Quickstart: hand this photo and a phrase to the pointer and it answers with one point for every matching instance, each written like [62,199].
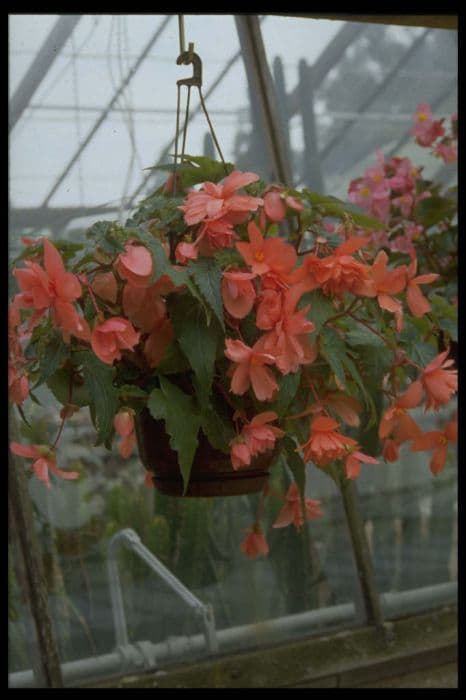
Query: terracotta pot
[211,473]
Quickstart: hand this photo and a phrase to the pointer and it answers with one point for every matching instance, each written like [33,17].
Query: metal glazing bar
[326,61]
[262,85]
[46,55]
[370,99]
[107,109]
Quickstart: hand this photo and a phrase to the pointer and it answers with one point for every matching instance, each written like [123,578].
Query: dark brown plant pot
[211,473]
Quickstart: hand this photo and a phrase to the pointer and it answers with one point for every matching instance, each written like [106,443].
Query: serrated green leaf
[417,350]
[228,256]
[333,349]
[51,353]
[196,169]
[98,380]
[207,275]
[354,372]
[173,361]
[332,206]
[59,385]
[197,340]
[161,263]
[217,430]
[432,210]
[321,308]
[445,315]
[182,422]
[362,336]
[288,386]
[132,392]
[107,235]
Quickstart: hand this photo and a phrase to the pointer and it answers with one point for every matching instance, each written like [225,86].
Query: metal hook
[187,58]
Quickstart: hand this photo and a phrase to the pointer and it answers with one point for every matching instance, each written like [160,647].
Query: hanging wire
[197,81]
[181,33]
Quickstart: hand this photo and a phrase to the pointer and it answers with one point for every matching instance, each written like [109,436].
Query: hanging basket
[212,473]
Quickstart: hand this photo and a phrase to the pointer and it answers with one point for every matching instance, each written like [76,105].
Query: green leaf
[417,350]
[333,349]
[331,206]
[207,275]
[173,361]
[288,386]
[51,353]
[182,422]
[321,308]
[362,336]
[108,235]
[98,380]
[445,315]
[434,209]
[131,391]
[228,256]
[59,384]
[197,340]
[354,372]
[161,263]
[217,430]
[196,169]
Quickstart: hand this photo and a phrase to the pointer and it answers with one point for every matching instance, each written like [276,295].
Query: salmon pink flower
[353,463]
[339,273]
[135,265]
[292,510]
[325,444]
[390,451]
[418,304]
[109,338]
[269,309]
[18,384]
[267,255]
[218,201]
[396,422]
[157,342]
[145,307]
[250,370]
[124,427]
[274,206]
[288,341]
[345,406]
[215,234]
[240,455]
[385,284]
[185,252]
[44,460]
[238,293]
[105,286]
[439,381]
[260,437]
[255,543]
[437,440]
[54,289]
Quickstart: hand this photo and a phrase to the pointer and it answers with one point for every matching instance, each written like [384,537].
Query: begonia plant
[254,313]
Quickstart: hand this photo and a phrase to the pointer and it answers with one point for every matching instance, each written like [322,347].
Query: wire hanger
[189,57]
